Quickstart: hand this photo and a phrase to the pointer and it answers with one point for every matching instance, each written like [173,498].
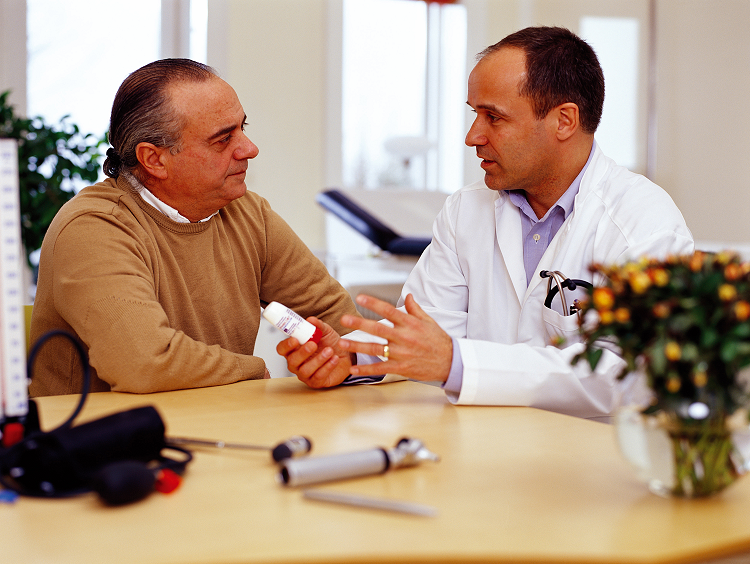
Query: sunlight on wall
[615,41]
[403,94]
[81,50]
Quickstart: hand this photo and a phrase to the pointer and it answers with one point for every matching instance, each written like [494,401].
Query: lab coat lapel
[508,232]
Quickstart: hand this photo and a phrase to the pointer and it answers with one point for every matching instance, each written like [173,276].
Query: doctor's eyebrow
[488,107]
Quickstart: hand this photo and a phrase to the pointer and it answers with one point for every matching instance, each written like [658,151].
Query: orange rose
[604,299]
[640,282]
[661,310]
[742,310]
[700,379]
[622,315]
[727,292]
[607,317]
[673,384]
[732,271]
[696,261]
[659,276]
[672,351]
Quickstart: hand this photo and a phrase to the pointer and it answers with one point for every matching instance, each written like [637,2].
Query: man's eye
[244,125]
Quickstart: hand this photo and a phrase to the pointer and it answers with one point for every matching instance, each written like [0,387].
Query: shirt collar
[149,198]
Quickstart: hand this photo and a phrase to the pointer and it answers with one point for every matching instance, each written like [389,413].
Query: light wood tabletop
[513,485]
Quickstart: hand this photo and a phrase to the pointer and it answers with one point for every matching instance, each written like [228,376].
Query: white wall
[703,156]
[13,58]
[276,54]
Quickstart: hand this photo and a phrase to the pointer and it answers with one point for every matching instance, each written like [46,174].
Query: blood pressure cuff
[70,460]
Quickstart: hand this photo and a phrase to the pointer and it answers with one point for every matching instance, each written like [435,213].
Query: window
[199,30]
[78,57]
[403,94]
[615,41]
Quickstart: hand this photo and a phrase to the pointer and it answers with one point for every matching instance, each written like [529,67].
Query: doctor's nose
[475,137]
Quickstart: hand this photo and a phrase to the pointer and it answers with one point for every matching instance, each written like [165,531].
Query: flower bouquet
[684,324]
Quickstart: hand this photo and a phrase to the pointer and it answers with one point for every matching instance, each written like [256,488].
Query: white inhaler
[291,323]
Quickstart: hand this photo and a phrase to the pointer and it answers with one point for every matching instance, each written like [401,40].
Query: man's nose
[475,137]
[248,150]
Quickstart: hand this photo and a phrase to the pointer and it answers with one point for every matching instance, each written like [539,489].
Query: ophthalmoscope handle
[314,469]
[311,470]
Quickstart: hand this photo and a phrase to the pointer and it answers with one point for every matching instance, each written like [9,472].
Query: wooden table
[513,485]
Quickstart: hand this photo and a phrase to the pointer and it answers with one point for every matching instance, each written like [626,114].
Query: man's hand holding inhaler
[320,365]
[417,348]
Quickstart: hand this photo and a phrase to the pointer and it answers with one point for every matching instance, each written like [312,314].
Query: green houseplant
[50,159]
[684,324]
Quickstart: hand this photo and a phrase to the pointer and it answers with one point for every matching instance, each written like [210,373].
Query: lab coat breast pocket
[560,326]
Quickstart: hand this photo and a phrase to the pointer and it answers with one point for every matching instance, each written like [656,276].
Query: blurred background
[371,93]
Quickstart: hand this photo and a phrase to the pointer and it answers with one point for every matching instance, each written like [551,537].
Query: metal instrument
[311,470]
[294,446]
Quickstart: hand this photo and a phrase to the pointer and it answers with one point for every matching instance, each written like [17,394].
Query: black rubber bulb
[124,482]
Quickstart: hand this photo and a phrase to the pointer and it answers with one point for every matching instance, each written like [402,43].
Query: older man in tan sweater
[162,269]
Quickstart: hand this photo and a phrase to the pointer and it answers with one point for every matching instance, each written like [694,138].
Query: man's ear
[152,159]
[568,120]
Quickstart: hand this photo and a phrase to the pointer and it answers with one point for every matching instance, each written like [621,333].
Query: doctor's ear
[151,159]
[568,120]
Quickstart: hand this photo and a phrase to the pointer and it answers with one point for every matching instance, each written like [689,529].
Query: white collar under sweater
[149,197]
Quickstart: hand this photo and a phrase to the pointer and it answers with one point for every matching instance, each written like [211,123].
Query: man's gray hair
[142,112]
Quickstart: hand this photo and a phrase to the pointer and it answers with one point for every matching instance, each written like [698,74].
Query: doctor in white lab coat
[474,316]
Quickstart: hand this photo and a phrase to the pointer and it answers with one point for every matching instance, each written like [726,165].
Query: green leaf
[60,150]
[657,358]
[709,338]
[594,356]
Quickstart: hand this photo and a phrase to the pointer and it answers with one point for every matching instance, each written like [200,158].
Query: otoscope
[312,470]
[294,446]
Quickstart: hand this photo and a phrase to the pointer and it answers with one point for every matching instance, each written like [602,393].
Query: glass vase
[683,456]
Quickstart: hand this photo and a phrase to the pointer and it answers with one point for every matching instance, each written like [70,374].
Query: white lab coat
[471,280]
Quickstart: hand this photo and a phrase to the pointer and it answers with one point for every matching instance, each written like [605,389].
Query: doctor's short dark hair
[560,67]
[142,111]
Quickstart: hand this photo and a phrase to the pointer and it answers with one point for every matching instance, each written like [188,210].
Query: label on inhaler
[291,323]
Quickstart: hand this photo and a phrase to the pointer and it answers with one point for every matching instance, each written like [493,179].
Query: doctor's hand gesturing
[417,347]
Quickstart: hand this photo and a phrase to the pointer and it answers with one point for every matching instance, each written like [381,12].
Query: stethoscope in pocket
[562,283]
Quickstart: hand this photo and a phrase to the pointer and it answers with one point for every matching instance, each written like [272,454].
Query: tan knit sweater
[162,305]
